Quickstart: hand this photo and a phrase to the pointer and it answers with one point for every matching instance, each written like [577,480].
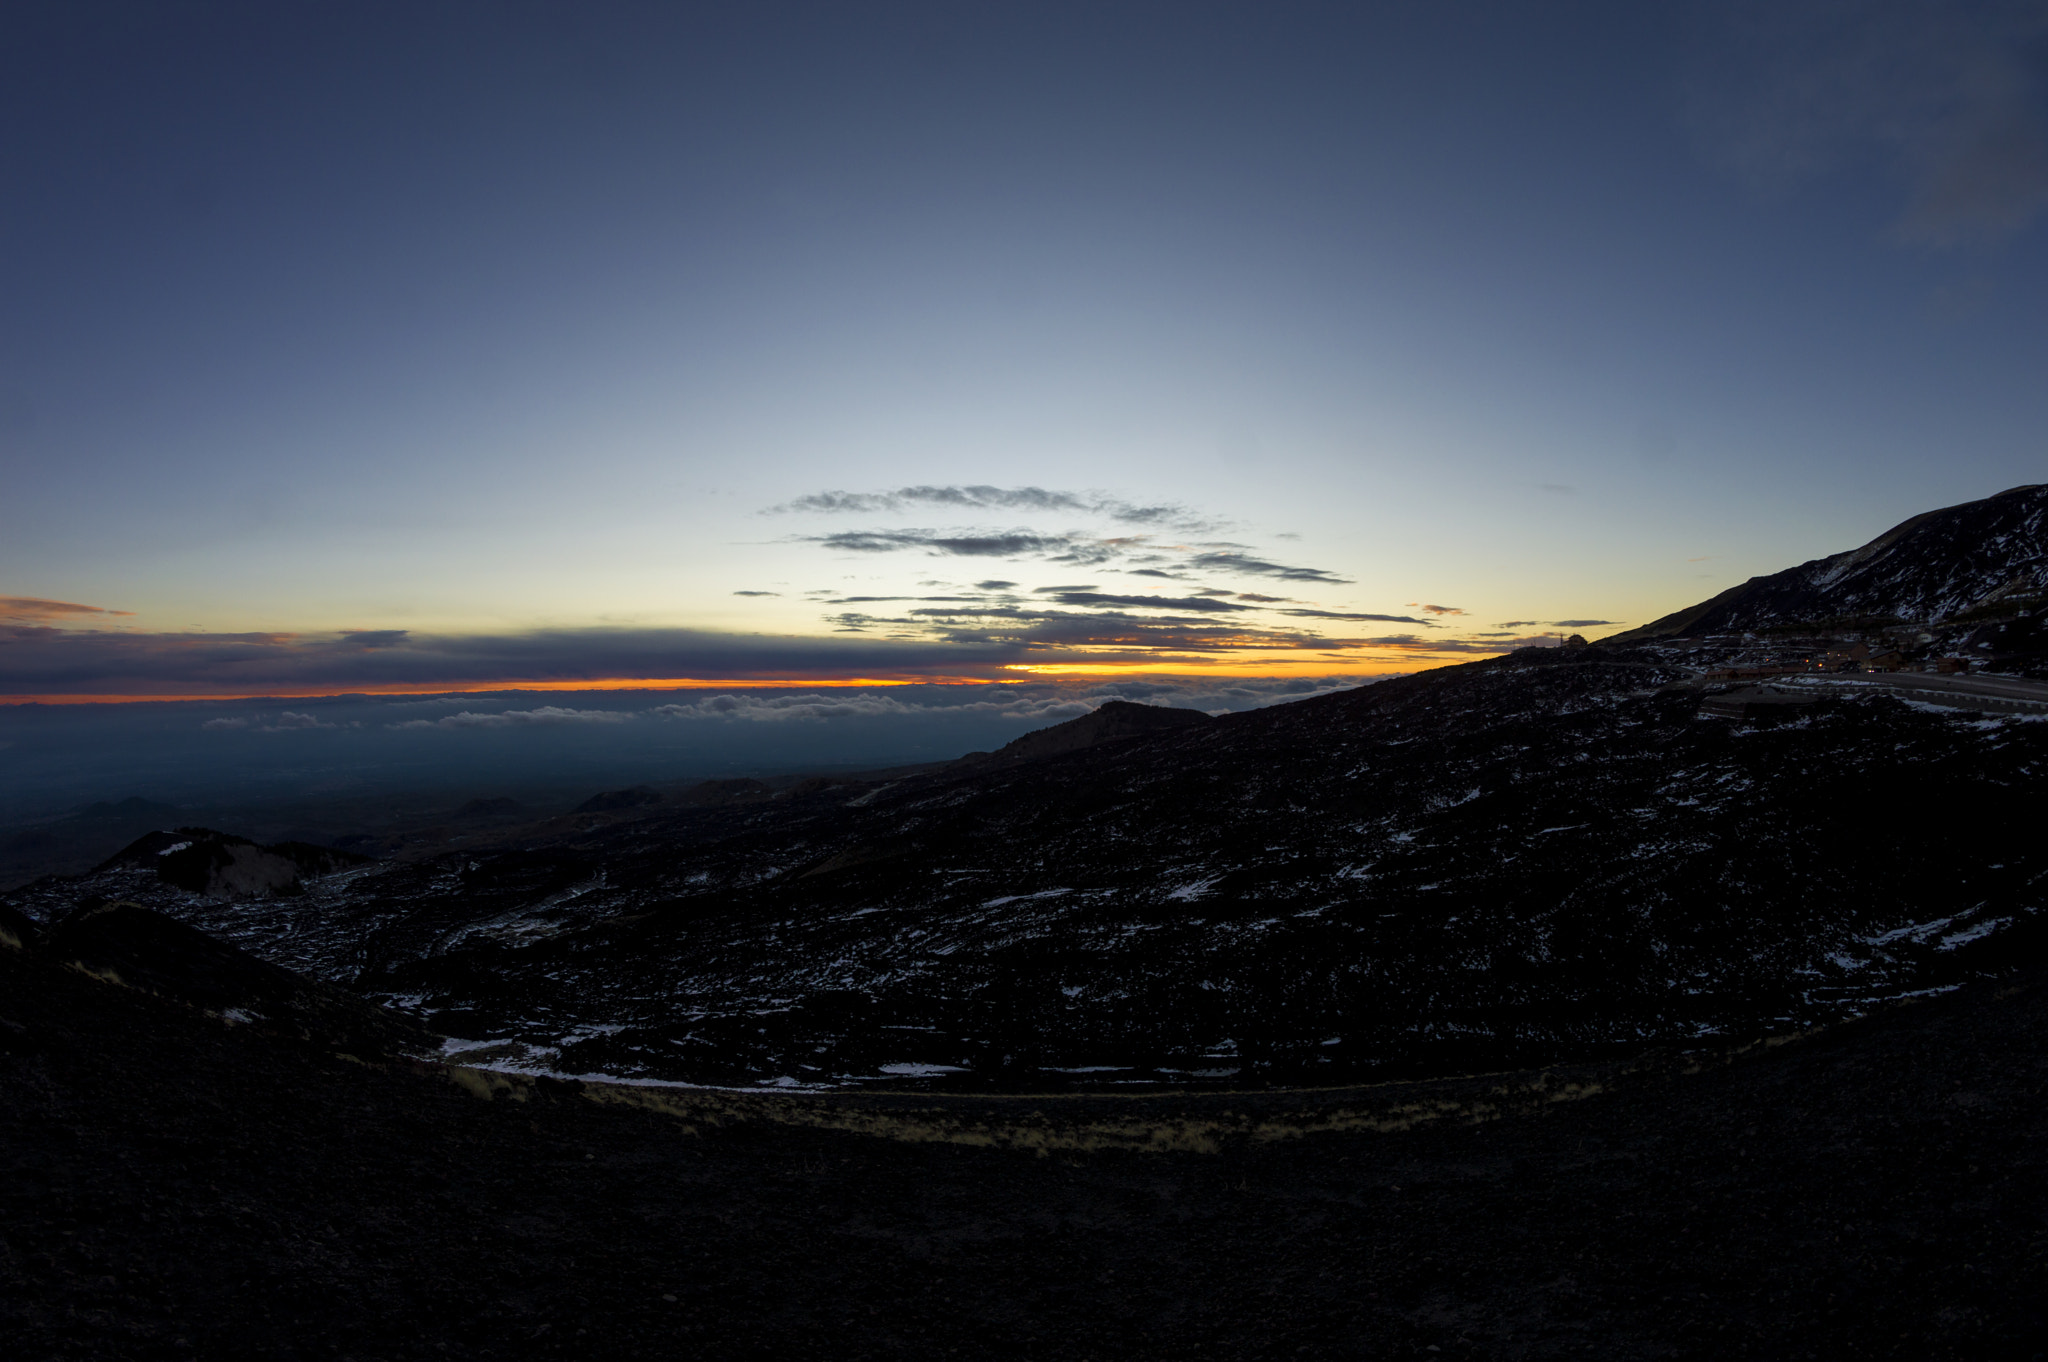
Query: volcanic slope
[1545,856]
[1961,565]
[176,1185]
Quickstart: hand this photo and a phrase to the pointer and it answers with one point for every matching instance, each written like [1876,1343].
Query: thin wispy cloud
[1357,615]
[1085,617]
[1554,624]
[980,497]
[1101,600]
[1246,565]
[1041,633]
[1073,550]
[35,610]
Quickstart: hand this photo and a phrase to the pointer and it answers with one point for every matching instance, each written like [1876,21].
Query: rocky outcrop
[220,865]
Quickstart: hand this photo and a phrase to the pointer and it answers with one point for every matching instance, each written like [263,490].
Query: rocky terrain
[1556,855]
[1549,856]
[1543,857]
[177,1182]
[1569,1003]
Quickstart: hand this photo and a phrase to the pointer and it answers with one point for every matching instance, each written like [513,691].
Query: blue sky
[535,333]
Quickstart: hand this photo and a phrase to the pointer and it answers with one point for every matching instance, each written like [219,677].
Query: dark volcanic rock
[173,1187]
[220,865]
[1545,856]
[128,945]
[1556,855]
[1986,557]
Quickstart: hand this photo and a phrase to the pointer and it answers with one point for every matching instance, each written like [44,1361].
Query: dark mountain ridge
[1549,855]
[1979,560]
[1112,722]
[1554,855]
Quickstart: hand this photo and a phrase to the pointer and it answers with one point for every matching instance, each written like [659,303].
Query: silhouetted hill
[81,839]
[1977,560]
[220,865]
[129,946]
[1112,722]
[1552,856]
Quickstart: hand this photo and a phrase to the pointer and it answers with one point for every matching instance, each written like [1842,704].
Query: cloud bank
[47,661]
[548,715]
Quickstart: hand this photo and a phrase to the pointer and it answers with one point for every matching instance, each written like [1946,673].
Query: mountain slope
[1549,856]
[174,1187]
[1514,861]
[1112,722]
[1982,557]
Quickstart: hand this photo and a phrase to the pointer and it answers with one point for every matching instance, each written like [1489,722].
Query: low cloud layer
[450,749]
[546,715]
[48,661]
[287,722]
[935,637]
[1027,704]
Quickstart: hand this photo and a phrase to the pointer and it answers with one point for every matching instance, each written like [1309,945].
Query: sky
[444,347]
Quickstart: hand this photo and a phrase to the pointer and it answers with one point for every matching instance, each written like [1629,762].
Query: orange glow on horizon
[1268,667]
[513,687]
[1301,667]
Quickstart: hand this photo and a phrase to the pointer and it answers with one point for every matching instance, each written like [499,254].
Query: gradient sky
[527,341]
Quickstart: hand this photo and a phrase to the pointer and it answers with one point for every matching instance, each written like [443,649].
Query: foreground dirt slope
[173,1187]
